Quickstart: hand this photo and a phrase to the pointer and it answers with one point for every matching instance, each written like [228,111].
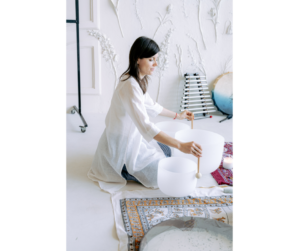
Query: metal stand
[228,117]
[83,128]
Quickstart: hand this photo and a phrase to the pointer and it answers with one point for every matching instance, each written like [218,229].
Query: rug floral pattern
[141,214]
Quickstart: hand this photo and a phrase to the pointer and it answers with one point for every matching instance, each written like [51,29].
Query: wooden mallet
[198,174]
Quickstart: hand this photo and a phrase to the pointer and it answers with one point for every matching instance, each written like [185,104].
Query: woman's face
[147,65]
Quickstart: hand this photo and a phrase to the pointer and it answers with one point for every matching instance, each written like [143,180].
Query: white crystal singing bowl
[171,127]
[212,148]
[176,176]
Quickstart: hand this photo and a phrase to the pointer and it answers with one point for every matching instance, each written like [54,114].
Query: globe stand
[229,116]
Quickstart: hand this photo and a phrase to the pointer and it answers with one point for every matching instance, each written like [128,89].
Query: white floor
[90,220]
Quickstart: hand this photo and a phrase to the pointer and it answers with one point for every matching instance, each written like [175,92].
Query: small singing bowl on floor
[212,148]
[176,176]
[171,127]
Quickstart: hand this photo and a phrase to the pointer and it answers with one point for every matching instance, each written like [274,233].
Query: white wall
[97,75]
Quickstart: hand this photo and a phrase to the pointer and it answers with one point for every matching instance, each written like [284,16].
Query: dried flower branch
[117,13]
[138,13]
[179,60]
[197,63]
[214,13]
[199,19]
[179,65]
[228,30]
[165,19]
[228,65]
[184,9]
[162,60]
[200,63]
[108,51]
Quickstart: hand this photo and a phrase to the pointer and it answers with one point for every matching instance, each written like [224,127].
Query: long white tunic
[128,139]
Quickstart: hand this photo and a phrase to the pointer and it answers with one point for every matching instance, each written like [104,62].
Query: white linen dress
[128,139]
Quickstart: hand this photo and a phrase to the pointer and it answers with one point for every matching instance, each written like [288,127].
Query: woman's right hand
[191,148]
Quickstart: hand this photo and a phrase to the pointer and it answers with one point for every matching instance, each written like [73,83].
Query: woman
[126,150]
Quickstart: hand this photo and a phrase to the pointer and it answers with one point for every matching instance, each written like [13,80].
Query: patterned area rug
[136,212]
[222,175]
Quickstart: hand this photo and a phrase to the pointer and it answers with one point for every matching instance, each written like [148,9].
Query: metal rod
[198,117]
[187,104]
[76,21]
[204,104]
[205,111]
[82,118]
[194,89]
[192,93]
[196,84]
[196,104]
[195,92]
[204,96]
[228,117]
[188,76]
[194,101]
[195,109]
[78,55]
[199,80]
[223,120]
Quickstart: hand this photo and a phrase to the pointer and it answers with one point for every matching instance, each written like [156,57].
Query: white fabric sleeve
[132,99]
[153,109]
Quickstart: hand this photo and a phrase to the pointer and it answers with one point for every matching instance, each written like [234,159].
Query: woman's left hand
[186,115]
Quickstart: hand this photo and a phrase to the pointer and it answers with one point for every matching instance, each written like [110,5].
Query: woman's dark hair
[142,47]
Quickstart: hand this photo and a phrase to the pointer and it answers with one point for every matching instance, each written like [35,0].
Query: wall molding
[92,21]
[95,88]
